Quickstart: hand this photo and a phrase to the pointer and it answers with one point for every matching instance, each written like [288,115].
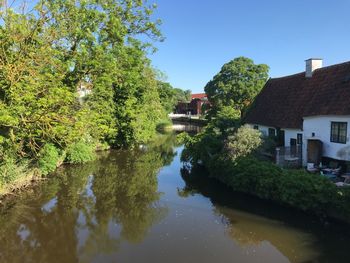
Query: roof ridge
[319,69]
[288,76]
[334,65]
[284,101]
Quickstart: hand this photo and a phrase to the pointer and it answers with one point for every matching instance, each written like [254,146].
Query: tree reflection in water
[254,223]
[87,210]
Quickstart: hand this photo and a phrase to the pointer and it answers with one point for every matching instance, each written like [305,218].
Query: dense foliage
[236,161]
[236,85]
[48,158]
[80,152]
[170,96]
[209,145]
[243,142]
[64,46]
[297,188]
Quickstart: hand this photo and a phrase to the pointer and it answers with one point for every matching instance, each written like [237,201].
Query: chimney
[311,65]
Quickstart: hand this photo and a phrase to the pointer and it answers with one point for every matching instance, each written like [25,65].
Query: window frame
[337,129]
[270,132]
[299,138]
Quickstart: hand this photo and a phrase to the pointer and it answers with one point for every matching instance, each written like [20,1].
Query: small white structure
[83,89]
[308,110]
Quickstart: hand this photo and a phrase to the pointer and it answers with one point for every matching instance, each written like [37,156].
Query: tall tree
[236,85]
[61,45]
[170,96]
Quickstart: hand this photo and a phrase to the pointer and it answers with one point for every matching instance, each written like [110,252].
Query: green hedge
[296,188]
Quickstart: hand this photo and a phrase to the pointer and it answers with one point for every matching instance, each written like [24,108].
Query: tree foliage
[170,96]
[236,85]
[62,45]
[245,141]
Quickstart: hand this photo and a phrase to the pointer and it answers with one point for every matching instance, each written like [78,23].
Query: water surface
[140,206]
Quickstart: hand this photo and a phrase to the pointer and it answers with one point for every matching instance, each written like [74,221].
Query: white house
[309,110]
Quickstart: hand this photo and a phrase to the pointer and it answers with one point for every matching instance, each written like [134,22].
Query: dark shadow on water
[246,215]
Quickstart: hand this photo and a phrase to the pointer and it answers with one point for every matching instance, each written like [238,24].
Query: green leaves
[62,46]
[237,84]
[170,96]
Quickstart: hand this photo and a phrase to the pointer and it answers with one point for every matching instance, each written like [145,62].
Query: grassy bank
[20,174]
[16,176]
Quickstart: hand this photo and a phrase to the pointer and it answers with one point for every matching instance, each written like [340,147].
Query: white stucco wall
[321,126]
[290,134]
[263,129]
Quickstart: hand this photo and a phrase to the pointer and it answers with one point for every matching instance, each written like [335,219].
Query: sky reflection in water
[140,206]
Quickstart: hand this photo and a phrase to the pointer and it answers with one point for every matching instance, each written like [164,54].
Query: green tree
[236,85]
[35,105]
[170,96]
[61,45]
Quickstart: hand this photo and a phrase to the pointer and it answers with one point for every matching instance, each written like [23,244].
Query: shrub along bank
[236,161]
[296,188]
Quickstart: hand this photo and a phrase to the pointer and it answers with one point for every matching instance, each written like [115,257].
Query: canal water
[141,206]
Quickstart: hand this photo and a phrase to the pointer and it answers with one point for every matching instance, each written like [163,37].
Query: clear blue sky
[202,35]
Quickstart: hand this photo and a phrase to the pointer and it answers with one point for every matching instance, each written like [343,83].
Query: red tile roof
[283,102]
[198,96]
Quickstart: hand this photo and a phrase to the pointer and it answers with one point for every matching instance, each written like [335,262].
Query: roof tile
[283,102]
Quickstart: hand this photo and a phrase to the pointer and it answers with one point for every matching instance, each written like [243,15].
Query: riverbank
[190,120]
[28,177]
[292,188]
[235,158]
[22,174]
[11,190]
[141,200]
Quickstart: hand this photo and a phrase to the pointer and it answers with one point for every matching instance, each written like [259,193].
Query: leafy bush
[226,119]
[297,188]
[10,170]
[48,158]
[203,146]
[243,142]
[80,152]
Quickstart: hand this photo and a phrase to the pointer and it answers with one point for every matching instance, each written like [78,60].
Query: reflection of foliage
[191,177]
[40,227]
[119,188]
[164,145]
[246,228]
[127,190]
[251,230]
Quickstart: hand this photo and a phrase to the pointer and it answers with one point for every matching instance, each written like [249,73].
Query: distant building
[194,107]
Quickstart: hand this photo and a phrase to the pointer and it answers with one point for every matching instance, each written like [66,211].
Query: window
[339,132]
[256,127]
[299,138]
[272,132]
